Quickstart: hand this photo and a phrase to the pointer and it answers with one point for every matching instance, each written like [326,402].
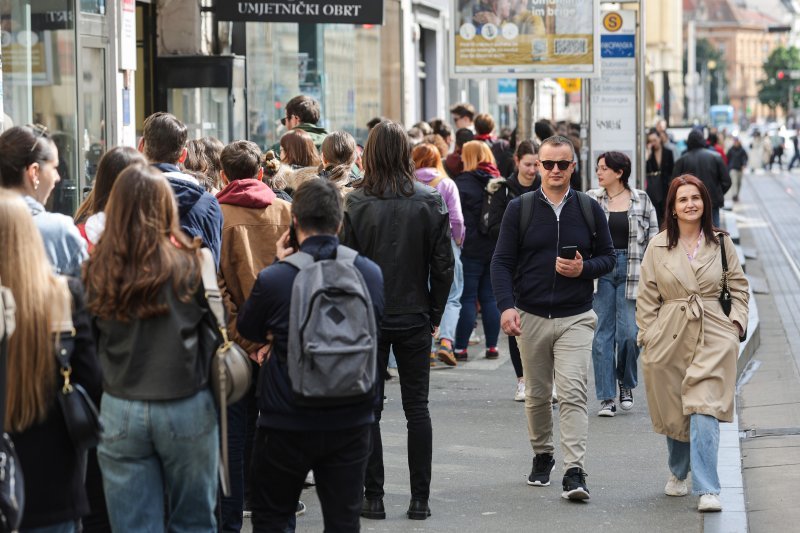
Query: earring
[674,214]
[36,185]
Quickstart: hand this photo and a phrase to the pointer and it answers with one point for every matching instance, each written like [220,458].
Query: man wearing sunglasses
[302,112]
[542,273]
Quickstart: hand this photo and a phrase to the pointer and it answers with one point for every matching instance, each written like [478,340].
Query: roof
[735,12]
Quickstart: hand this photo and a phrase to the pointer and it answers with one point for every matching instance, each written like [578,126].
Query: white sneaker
[519,396]
[676,487]
[607,408]
[709,503]
[474,338]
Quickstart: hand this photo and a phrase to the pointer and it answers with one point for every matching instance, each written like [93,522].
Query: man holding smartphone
[546,259]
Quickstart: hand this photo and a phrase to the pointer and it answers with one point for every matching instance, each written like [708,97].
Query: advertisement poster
[525,38]
[613,117]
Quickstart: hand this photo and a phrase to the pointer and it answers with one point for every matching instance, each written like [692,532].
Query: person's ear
[184,154]
[224,177]
[32,175]
[141,145]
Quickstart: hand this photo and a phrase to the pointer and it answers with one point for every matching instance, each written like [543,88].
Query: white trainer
[519,396]
[676,487]
[709,503]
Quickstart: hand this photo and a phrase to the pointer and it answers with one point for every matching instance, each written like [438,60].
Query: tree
[710,62]
[778,86]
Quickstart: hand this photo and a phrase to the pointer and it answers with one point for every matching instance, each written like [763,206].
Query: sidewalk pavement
[769,390]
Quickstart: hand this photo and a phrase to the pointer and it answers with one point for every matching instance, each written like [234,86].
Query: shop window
[39,81]
[96,7]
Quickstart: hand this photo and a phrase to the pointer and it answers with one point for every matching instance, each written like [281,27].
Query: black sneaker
[625,398]
[607,408]
[574,485]
[543,464]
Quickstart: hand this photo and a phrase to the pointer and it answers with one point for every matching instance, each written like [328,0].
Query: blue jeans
[715,216]
[153,447]
[615,336]
[477,288]
[700,453]
[63,527]
[447,328]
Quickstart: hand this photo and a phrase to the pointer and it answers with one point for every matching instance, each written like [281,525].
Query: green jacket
[317,135]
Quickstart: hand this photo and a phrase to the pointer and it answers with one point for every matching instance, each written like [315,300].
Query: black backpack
[528,202]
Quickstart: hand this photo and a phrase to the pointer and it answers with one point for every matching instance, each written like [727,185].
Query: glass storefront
[337,64]
[39,80]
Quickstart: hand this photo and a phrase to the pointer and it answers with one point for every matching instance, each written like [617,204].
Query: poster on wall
[525,38]
[311,11]
[613,117]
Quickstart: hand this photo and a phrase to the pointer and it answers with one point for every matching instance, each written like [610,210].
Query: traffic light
[781,74]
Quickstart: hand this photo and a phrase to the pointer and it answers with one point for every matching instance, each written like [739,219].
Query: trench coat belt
[694,310]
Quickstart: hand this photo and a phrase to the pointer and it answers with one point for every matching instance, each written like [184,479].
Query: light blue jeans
[614,350]
[447,328]
[699,454]
[153,447]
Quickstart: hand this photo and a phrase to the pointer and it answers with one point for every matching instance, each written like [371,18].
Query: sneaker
[519,396]
[492,353]
[301,509]
[543,464]
[474,338]
[625,398]
[461,355]
[709,503]
[445,353]
[574,485]
[676,487]
[433,358]
[607,408]
[309,482]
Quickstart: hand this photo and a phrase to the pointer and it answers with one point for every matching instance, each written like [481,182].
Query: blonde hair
[24,268]
[475,152]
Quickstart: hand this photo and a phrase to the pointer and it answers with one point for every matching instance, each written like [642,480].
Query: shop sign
[613,117]
[127,35]
[533,39]
[309,11]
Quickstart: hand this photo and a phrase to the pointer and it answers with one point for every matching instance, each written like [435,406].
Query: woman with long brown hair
[143,285]
[689,341]
[301,156]
[54,492]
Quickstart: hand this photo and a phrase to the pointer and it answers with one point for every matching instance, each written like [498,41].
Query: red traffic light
[781,74]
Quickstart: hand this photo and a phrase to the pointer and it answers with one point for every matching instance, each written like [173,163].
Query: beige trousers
[560,346]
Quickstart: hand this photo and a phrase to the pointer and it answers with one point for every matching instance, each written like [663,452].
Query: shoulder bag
[725,299]
[231,373]
[12,487]
[80,413]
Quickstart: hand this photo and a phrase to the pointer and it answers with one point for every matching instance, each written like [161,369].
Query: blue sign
[617,46]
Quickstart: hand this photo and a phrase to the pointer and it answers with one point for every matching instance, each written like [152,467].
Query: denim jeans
[63,527]
[150,447]
[411,347]
[447,328]
[614,350]
[715,216]
[699,454]
[477,288]
[281,460]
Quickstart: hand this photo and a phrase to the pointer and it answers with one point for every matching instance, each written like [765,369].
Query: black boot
[418,510]
[373,509]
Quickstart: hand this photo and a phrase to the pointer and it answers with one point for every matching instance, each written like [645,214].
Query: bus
[720,115]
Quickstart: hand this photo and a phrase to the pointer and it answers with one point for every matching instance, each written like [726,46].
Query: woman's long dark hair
[141,249]
[387,161]
[20,147]
[671,221]
[111,165]
[297,148]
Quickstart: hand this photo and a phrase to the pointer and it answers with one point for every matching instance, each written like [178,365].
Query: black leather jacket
[709,167]
[409,238]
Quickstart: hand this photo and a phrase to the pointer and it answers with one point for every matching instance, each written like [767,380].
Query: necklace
[612,196]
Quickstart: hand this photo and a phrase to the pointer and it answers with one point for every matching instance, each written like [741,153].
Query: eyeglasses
[563,164]
[40,132]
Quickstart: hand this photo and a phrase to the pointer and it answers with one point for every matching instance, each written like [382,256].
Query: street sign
[570,85]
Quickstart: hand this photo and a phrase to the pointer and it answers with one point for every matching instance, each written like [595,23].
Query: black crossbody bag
[725,299]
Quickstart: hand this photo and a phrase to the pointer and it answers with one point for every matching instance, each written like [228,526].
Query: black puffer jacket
[708,166]
[409,238]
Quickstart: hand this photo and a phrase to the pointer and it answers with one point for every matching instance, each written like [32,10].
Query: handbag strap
[724,255]
[213,294]
[64,334]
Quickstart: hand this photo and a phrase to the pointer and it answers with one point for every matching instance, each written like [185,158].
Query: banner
[310,11]
[613,116]
[525,38]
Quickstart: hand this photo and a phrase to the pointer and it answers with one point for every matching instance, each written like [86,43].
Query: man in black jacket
[291,438]
[709,167]
[546,301]
[404,227]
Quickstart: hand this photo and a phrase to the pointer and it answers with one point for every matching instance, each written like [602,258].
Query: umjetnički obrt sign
[310,11]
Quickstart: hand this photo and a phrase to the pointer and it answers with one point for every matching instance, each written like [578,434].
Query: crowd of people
[432,239]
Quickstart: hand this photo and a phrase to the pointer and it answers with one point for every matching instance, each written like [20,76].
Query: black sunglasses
[563,164]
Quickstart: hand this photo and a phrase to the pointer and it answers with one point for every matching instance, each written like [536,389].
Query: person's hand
[282,248]
[434,330]
[738,327]
[570,268]
[509,321]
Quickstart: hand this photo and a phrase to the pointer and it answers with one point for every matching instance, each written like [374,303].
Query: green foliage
[775,91]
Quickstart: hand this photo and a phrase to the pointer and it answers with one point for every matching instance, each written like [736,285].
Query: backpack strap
[527,201]
[346,255]
[585,202]
[299,260]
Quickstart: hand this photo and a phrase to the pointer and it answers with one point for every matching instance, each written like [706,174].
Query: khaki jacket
[249,237]
[689,346]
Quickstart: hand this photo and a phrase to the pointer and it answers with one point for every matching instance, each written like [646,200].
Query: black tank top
[618,225]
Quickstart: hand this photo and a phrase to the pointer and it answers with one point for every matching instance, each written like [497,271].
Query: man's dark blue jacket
[525,276]
[267,310]
[199,211]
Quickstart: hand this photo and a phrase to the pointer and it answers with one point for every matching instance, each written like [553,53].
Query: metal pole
[585,139]
[641,97]
[691,70]
[525,98]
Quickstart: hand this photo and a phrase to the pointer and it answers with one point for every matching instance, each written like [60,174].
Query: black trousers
[280,462]
[516,359]
[412,350]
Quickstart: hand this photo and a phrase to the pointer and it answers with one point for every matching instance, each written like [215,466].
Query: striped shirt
[642,226]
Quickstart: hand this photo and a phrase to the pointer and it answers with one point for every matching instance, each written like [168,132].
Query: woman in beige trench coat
[689,345]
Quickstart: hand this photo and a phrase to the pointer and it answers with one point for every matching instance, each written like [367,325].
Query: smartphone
[568,252]
[293,237]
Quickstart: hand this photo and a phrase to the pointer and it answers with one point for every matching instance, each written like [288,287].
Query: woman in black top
[52,468]
[660,162]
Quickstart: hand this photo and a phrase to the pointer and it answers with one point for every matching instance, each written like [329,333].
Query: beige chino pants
[560,346]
